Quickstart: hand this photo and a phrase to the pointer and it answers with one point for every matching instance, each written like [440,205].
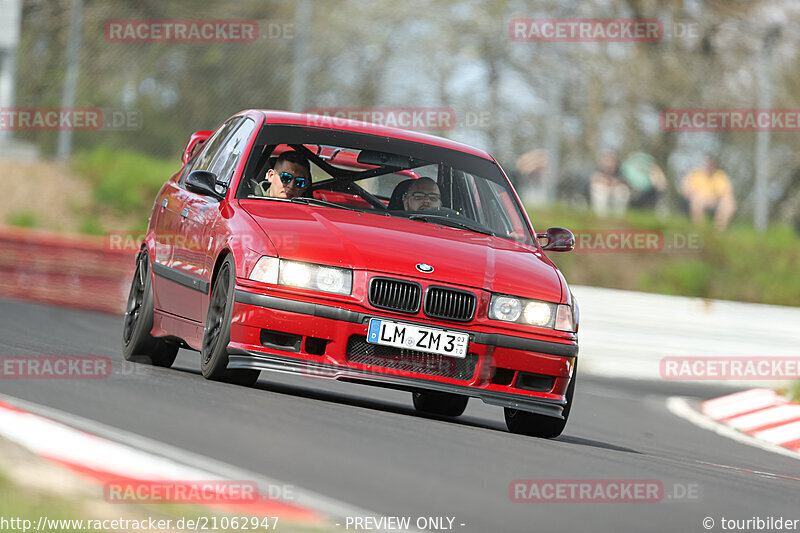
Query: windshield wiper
[324,203]
[453,223]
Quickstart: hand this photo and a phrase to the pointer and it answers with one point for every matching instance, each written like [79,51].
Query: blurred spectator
[608,190]
[531,167]
[645,178]
[709,188]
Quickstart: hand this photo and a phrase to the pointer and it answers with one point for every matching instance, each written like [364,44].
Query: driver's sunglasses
[432,196]
[286,179]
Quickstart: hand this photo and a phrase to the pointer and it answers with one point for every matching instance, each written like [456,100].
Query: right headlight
[304,275]
[531,312]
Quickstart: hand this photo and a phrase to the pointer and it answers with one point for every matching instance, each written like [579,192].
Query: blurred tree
[509,97]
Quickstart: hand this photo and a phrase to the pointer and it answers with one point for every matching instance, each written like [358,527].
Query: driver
[290,177]
[423,194]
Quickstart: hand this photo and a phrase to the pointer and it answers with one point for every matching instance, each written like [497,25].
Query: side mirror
[558,240]
[195,141]
[203,182]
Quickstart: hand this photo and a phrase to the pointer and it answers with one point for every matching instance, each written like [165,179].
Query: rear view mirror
[558,240]
[195,142]
[385,159]
[203,182]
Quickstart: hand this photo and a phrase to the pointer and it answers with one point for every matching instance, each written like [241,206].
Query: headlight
[304,275]
[505,308]
[531,312]
[332,279]
[537,313]
[295,274]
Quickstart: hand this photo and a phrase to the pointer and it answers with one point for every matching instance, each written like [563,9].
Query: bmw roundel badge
[424,268]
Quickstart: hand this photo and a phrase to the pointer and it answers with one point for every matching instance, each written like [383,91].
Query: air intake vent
[450,304]
[395,295]
[360,351]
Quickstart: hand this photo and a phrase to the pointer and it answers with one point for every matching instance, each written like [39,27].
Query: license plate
[419,338]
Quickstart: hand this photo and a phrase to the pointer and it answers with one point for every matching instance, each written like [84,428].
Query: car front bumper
[318,340]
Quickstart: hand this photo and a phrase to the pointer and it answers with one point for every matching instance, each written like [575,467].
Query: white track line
[681,407]
[159,450]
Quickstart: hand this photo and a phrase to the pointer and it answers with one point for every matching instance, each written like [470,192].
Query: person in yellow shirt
[709,189]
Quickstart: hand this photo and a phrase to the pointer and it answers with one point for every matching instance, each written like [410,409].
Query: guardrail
[64,269]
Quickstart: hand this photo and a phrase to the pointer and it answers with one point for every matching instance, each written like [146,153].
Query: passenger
[423,194]
[290,177]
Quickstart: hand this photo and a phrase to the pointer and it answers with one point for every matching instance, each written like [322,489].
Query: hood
[393,245]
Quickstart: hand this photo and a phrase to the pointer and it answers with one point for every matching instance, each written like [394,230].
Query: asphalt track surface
[367,447]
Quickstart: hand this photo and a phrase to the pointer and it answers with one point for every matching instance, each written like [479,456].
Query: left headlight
[531,312]
[304,275]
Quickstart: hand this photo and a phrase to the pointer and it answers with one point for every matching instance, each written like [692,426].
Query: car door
[165,292]
[179,282]
[208,212]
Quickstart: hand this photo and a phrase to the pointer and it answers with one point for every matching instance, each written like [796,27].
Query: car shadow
[385,405]
[595,444]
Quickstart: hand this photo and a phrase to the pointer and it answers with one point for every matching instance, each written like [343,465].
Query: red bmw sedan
[345,250]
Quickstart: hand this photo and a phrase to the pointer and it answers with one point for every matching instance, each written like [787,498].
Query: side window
[466,198]
[228,156]
[495,212]
[210,148]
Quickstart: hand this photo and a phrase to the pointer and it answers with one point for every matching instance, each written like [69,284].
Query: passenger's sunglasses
[433,197]
[286,179]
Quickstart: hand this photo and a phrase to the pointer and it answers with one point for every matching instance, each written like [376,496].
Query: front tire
[440,403]
[542,426]
[217,331]
[138,345]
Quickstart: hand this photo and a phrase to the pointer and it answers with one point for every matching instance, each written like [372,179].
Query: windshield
[394,183]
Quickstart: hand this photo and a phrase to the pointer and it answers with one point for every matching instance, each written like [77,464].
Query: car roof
[336,123]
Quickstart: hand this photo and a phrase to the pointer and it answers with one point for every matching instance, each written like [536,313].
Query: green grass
[124,181]
[91,225]
[23,219]
[738,264]
[16,503]
[794,392]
